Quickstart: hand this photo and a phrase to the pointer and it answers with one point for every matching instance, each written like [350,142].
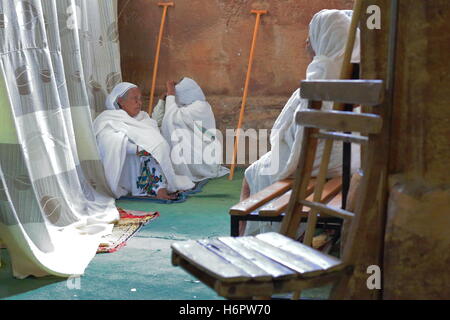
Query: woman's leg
[152,179]
[163,194]
[245,190]
[160,188]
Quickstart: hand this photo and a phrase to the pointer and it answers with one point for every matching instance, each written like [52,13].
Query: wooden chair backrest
[330,125]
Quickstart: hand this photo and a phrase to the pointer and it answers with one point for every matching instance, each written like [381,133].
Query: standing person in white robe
[189,126]
[135,155]
[328,32]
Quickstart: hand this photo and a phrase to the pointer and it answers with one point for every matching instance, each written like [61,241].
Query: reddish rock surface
[209,40]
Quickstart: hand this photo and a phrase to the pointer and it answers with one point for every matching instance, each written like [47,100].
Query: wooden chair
[270,204]
[272,263]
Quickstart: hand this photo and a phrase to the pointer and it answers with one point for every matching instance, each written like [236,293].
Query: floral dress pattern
[150,179]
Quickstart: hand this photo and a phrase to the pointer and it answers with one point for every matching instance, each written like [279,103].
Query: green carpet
[142,269]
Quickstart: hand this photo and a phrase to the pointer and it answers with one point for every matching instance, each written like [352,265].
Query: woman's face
[132,102]
[309,50]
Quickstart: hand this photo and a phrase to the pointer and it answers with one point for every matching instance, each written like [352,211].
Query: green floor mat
[143,269]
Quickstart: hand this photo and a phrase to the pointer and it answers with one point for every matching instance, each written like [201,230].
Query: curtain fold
[57,59]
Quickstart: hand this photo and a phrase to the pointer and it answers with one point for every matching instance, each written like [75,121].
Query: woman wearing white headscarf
[328,32]
[135,155]
[189,126]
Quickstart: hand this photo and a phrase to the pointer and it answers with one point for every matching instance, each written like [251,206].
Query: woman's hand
[163,96]
[170,88]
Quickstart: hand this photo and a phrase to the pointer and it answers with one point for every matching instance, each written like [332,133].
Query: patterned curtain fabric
[58,59]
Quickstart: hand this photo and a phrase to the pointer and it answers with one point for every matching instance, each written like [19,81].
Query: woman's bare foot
[164,195]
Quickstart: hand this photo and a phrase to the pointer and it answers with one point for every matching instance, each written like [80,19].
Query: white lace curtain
[58,60]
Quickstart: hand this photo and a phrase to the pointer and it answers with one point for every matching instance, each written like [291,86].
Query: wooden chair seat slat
[330,190]
[336,202]
[275,269]
[300,264]
[234,257]
[278,206]
[208,262]
[255,201]
[323,260]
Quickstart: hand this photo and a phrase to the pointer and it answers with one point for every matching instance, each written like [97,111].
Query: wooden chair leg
[234,226]
[296,295]
[339,288]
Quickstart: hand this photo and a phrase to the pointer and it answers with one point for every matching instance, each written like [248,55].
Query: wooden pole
[346,71]
[244,97]
[165,6]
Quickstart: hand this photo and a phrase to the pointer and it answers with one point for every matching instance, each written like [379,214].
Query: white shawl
[189,125]
[114,128]
[328,33]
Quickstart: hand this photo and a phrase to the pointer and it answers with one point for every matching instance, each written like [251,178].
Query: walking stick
[165,6]
[244,97]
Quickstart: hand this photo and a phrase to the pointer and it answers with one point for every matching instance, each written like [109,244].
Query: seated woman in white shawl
[135,155]
[328,32]
[188,125]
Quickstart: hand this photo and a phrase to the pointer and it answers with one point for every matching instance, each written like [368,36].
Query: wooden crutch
[244,97]
[165,6]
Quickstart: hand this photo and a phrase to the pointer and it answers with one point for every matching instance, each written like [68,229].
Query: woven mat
[130,223]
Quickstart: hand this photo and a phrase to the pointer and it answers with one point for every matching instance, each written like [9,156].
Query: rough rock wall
[209,40]
[417,255]
[416,258]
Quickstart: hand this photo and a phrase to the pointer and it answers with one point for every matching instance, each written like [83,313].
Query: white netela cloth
[189,127]
[114,128]
[328,33]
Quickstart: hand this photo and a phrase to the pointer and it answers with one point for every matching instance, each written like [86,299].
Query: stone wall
[415,205]
[209,40]
[416,257]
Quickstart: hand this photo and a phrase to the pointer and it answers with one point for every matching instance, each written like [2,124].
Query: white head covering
[328,33]
[188,91]
[118,92]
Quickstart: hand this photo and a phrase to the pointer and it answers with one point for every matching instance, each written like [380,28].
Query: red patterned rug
[130,223]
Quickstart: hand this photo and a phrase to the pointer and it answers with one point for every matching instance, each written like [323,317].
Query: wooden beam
[363,92]
[345,137]
[332,211]
[344,121]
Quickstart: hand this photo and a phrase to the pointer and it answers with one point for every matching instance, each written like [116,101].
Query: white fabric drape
[328,32]
[54,201]
[99,44]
